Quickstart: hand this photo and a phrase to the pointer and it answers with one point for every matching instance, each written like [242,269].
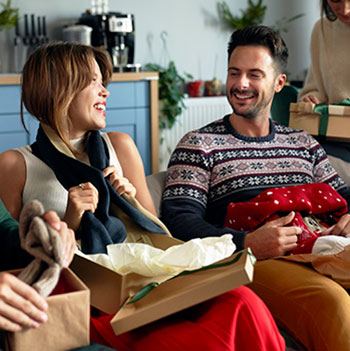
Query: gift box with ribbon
[331,121]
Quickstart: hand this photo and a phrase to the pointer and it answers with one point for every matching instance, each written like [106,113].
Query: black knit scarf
[98,229]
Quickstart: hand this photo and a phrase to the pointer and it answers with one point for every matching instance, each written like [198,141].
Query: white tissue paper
[149,261]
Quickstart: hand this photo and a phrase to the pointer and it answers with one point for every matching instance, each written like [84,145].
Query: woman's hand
[81,198]
[311,98]
[341,228]
[20,305]
[119,183]
[67,236]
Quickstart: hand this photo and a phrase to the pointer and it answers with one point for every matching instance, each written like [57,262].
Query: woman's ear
[279,82]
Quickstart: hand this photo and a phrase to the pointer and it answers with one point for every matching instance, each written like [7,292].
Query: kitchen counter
[14,78]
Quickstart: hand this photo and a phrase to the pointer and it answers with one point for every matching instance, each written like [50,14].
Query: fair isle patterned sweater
[216,165]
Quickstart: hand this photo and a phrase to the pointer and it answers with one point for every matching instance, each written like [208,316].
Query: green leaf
[8,15]
[170,93]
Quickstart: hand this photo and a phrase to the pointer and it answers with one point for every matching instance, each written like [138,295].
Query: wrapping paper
[149,261]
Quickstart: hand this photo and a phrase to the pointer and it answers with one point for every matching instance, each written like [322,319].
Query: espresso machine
[114,32]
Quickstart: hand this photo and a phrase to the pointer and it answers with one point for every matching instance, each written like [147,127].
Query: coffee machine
[114,32]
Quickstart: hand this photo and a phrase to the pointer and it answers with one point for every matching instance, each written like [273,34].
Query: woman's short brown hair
[53,75]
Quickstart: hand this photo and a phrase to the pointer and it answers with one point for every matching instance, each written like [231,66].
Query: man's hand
[67,236]
[20,305]
[341,228]
[274,238]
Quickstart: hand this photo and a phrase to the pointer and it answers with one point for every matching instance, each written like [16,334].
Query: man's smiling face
[251,81]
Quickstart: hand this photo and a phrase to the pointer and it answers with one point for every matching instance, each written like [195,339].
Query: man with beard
[237,157]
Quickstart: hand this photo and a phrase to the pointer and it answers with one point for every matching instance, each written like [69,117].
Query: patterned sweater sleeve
[186,193]
[325,173]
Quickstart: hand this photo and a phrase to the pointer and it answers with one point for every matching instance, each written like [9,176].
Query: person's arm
[310,92]
[132,166]
[20,305]
[12,181]
[12,256]
[185,220]
[314,90]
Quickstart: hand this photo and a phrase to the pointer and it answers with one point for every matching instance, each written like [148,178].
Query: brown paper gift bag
[336,267]
[68,321]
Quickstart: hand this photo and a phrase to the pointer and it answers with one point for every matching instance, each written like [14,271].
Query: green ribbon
[322,109]
[148,288]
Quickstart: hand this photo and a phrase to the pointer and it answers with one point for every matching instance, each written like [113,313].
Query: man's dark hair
[261,36]
[327,10]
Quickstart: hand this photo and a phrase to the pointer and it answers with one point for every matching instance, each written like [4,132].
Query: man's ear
[279,82]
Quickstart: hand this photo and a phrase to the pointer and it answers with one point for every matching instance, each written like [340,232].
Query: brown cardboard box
[183,292]
[68,321]
[303,117]
[109,290]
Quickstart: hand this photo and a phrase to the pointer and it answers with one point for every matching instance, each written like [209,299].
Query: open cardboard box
[68,321]
[302,117]
[184,291]
[110,290]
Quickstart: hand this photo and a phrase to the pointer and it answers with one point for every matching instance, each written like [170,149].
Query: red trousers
[237,321]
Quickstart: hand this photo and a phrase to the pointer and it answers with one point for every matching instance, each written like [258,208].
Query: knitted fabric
[44,243]
[216,165]
[102,227]
[315,205]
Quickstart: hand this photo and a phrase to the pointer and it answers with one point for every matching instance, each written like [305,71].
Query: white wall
[195,39]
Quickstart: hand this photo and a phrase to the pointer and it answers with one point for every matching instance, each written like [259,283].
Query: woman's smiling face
[86,111]
[341,8]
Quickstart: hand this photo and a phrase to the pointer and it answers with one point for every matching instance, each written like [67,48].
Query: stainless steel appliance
[115,32]
[78,33]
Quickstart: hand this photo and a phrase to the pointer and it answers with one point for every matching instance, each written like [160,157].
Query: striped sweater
[215,165]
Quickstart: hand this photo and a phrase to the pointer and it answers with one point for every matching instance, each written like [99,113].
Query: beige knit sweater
[329,75]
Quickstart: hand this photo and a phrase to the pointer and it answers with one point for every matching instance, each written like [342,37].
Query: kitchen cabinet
[132,108]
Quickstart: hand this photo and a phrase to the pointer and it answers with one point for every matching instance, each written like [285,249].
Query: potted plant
[170,93]
[8,15]
[254,14]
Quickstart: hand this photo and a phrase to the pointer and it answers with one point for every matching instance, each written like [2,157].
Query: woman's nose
[104,92]
[345,8]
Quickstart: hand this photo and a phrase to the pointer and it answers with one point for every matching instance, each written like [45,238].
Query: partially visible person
[328,79]
[20,305]
[237,157]
[72,169]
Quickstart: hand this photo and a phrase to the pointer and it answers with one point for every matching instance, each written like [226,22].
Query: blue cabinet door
[127,111]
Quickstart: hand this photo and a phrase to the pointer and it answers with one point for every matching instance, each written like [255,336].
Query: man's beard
[254,110]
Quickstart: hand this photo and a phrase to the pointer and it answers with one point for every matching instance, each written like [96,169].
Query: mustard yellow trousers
[314,309]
